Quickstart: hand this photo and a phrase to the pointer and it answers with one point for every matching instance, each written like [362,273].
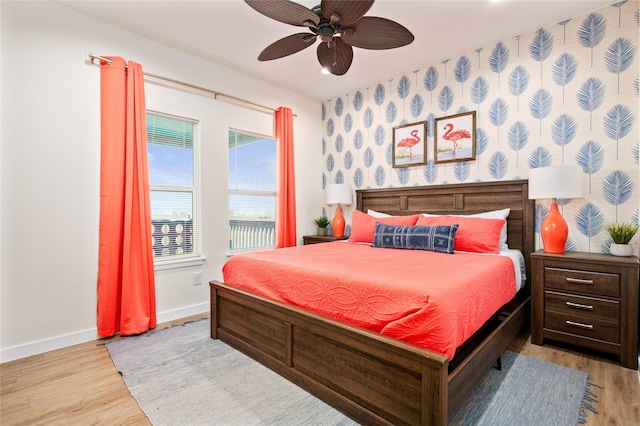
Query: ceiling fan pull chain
[335,61]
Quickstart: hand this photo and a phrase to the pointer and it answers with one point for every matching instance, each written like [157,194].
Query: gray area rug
[180,376]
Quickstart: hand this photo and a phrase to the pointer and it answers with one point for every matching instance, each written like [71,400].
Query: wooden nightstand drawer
[596,283]
[581,326]
[586,299]
[586,307]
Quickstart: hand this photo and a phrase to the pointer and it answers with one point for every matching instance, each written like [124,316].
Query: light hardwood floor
[80,386]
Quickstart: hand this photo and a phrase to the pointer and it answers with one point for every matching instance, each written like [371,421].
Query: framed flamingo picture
[410,144]
[455,138]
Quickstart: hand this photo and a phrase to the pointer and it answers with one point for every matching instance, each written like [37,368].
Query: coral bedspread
[433,300]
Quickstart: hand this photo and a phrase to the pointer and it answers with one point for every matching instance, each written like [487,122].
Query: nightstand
[586,299]
[315,239]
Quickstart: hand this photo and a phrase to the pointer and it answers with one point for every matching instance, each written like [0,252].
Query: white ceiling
[231,33]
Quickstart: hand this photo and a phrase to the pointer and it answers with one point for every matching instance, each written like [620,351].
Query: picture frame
[409,145]
[455,138]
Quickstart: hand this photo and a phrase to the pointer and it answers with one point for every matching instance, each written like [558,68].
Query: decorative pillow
[363,226]
[474,234]
[493,214]
[377,214]
[440,239]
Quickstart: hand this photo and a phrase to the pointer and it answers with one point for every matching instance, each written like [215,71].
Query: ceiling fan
[339,24]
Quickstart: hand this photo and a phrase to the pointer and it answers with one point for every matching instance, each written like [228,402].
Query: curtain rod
[182,85]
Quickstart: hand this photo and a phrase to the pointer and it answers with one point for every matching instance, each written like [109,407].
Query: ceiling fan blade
[287,46]
[337,58]
[349,11]
[377,34]
[285,11]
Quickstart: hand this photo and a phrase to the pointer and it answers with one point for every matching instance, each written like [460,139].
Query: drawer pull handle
[579,281]
[579,324]
[579,306]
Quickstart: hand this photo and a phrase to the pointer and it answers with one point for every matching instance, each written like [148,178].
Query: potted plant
[621,233]
[322,223]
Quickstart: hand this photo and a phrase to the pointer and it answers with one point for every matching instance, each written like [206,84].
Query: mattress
[433,300]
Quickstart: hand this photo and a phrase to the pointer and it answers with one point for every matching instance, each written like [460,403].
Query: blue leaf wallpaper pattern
[358,101]
[619,56]
[391,112]
[348,123]
[430,171]
[518,82]
[479,91]
[541,45]
[379,94]
[445,99]
[462,70]
[330,127]
[564,70]
[430,80]
[592,31]
[498,165]
[589,221]
[403,175]
[404,87]
[461,170]
[498,113]
[416,105]
[540,105]
[567,93]
[590,157]
[540,157]
[590,96]
[518,136]
[618,123]
[617,188]
[498,59]
[563,131]
[339,107]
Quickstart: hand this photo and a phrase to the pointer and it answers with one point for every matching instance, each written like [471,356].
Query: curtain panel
[286,185]
[126,286]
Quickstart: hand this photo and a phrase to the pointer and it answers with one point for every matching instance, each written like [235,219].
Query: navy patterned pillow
[439,238]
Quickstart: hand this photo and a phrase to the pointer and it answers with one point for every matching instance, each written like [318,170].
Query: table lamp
[555,182]
[338,193]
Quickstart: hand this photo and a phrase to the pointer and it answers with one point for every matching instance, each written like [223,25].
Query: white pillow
[494,214]
[377,214]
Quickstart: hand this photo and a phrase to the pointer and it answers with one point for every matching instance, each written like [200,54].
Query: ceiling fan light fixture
[339,24]
[325,32]
[325,71]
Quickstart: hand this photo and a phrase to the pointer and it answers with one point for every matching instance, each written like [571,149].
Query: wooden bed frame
[373,378]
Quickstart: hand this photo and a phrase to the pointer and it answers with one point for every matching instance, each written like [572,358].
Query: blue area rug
[180,376]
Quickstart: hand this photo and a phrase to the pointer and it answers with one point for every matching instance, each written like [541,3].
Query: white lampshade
[555,182]
[337,193]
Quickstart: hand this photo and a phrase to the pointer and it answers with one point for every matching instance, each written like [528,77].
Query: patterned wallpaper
[565,94]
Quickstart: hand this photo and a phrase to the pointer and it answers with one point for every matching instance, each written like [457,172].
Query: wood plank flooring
[79,385]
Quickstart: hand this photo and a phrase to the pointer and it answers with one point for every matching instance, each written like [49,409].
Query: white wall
[50,147]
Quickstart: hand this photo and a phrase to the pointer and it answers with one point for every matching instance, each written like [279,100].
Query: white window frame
[251,193]
[195,258]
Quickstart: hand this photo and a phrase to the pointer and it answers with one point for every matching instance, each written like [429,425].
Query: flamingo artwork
[410,141]
[454,137]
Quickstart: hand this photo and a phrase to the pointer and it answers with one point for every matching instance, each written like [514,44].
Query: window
[173,148]
[252,191]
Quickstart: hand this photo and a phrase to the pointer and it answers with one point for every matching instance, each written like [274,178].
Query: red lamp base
[338,224]
[554,231]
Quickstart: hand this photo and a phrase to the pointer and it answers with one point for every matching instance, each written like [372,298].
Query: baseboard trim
[83,336]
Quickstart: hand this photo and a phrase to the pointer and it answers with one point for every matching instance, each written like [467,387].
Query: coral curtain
[286,184]
[126,287]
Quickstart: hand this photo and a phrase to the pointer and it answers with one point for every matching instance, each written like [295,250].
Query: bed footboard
[371,378]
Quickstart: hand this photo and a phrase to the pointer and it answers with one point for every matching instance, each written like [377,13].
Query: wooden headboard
[464,198]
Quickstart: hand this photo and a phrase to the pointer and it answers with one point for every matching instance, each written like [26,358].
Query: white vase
[620,249]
